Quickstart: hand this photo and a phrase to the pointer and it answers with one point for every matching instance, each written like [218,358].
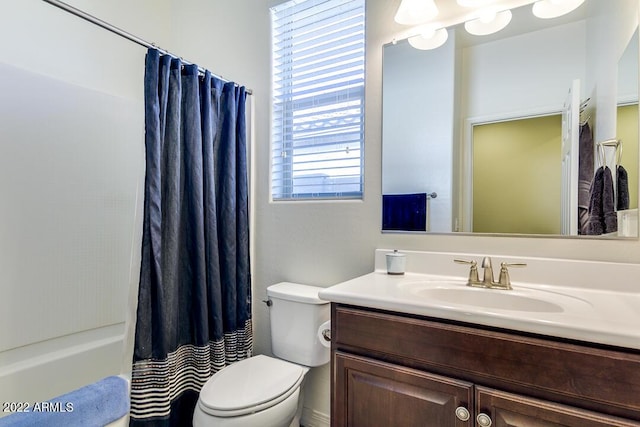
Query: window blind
[318,99]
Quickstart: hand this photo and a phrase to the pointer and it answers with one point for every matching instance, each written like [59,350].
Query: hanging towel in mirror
[585,175]
[609,216]
[594,224]
[622,181]
[602,216]
[404,212]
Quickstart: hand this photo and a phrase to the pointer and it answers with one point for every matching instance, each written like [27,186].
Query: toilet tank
[296,314]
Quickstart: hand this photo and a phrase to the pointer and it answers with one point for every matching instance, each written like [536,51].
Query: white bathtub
[42,371]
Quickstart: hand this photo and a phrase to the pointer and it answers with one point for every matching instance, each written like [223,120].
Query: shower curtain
[194,302]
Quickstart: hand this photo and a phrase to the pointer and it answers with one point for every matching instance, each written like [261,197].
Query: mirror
[478,128]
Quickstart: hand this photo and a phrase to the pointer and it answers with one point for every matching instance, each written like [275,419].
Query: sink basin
[490,298]
[456,293]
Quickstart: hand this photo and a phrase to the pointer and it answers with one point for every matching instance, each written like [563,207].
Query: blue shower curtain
[194,302]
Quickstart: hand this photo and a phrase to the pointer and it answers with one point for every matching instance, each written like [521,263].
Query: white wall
[419,158]
[608,37]
[507,76]
[628,72]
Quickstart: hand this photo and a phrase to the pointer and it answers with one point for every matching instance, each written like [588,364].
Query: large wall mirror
[506,133]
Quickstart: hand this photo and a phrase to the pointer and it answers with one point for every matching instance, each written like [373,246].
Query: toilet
[265,391]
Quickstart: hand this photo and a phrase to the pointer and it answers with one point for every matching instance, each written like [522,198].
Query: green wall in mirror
[516,176]
[521,195]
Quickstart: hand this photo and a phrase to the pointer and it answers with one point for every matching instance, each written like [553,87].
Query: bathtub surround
[194,298]
[70,163]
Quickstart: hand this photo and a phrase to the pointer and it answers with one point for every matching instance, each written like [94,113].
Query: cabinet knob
[484,420]
[462,413]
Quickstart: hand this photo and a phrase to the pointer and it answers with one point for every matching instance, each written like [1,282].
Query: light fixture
[429,39]
[414,12]
[547,9]
[488,22]
[474,3]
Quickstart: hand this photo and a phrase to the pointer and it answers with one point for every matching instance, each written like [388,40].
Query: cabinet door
[512,410]
[370,393]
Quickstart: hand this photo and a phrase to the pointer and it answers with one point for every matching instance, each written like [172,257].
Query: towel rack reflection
[430,196]
[617,159]
[602,155]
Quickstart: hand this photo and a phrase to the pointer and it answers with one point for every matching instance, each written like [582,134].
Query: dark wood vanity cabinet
[395,370]
[374,393]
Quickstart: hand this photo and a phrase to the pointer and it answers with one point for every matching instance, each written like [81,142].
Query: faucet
[473,272]
[504,281]
[487,276]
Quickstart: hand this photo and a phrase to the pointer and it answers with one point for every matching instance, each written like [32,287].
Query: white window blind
[318,99]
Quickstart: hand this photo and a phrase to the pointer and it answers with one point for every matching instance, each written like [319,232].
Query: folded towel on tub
[94,405]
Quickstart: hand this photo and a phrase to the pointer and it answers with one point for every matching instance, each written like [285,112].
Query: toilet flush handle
[268,302]
[326,334]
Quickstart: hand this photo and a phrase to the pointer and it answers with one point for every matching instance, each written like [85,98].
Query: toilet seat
[250,385]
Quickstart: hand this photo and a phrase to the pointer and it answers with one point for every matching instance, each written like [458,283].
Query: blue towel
[95,405]
[406,212]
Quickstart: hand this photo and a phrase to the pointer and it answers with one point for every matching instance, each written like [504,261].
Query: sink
[590,301]
[456,293]
[489,298]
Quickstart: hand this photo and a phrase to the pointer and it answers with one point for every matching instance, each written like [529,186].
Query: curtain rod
[112,28]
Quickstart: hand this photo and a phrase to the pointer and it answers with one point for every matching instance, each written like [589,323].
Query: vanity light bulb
[487,16]
[474,3]
[429,38]
[414,12]
[488,22]
[428,34]
[547,9]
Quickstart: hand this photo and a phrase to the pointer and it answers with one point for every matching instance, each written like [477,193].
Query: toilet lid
[252,384]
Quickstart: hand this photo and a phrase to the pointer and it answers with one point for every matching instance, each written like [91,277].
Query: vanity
[425,349]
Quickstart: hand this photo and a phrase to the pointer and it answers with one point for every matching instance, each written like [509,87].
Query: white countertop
[609,315]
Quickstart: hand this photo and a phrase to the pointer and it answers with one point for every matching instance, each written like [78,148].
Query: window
[318,99]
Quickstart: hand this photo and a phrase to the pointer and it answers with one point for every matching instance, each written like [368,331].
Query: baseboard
[313,418]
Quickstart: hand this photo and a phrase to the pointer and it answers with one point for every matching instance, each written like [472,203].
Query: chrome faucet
[504,281]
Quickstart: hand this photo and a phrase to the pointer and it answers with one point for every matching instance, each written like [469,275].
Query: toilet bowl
[259,391]
[264,391]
